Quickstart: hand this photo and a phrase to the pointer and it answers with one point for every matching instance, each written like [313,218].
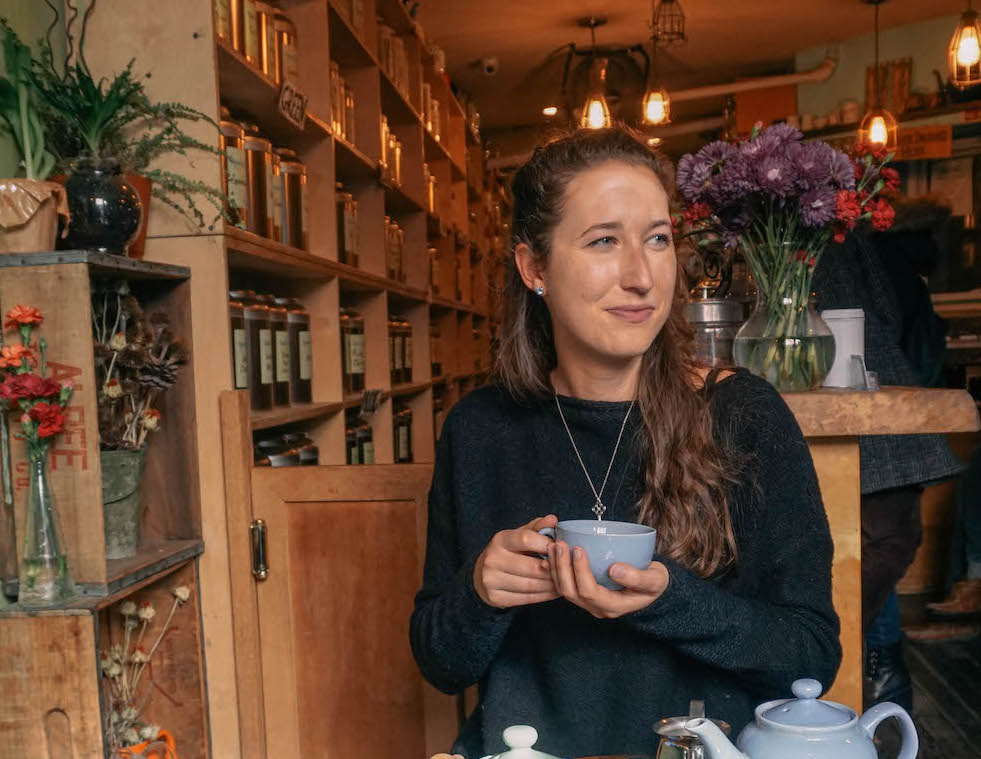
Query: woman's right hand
[511,571]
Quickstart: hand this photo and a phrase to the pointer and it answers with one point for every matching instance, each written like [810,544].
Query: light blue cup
[607,543]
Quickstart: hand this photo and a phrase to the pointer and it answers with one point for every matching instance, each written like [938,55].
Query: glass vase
[45,579]
[786,342]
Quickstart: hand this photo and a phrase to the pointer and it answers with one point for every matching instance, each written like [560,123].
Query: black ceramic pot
[105,209]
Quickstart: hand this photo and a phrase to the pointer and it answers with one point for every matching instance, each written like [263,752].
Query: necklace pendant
[599,509]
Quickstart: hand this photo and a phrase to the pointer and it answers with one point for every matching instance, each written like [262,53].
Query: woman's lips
[632,314]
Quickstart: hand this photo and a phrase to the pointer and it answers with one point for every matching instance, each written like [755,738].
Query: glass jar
[295,214]
[240,343]
[275,197]
[309,453]
[301,352]
[394,351]
[257,169]
[279,452]
[281,351]
[349,120]
[352,350]
[400,251]
[433,255]
[406,328]
[267,38]
[233,179]
[391,269]
[346,227]
[365,442]
[223,19]
[250,32]
[259,349]
[336,84]
[383,159]
[403,436]
[286,52]
[435,351]
[397,160]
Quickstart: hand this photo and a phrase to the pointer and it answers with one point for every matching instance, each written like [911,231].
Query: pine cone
[160,375]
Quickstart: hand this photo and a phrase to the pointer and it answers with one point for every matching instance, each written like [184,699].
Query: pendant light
[656,105]
[668,22]
[964,54]
[879,126]
[596,111]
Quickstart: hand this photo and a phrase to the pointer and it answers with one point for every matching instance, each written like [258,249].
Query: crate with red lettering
[61,284]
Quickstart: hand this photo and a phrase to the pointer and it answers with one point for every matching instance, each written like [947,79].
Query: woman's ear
[528,267]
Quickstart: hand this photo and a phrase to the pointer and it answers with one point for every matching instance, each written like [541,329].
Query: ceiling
[727,39]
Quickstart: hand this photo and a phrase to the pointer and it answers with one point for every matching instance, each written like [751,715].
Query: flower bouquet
[780,202]
[44,577]
[126,679]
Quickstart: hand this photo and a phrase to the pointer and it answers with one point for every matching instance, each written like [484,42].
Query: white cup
[848,327]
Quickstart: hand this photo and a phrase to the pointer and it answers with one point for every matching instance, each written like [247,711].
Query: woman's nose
[635,269]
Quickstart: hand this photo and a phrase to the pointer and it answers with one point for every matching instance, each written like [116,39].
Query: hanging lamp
[668,22]
[596,111]
[879,126]
[656,105]
[964,53]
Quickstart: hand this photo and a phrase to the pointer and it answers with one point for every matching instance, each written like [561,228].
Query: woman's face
[610,278]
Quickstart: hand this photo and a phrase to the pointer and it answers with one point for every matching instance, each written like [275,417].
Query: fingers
[651,581]
[516,584]
[504,599]
[519,565]
[524,540]
[539,523]
[562,573]
[586,584]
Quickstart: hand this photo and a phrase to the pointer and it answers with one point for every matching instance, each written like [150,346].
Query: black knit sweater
[595,686]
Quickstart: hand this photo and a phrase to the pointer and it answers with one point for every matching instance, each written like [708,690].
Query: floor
[946,695]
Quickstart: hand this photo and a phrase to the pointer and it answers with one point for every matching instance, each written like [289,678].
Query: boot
[964,601]
[886,678]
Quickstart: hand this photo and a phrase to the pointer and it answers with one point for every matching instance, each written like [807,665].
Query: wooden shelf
[410,388]
[303,412]
[395,104]
[352,165]
[245,88]
[398,200]
[250,252]
[435,150]
[346,47]
[104,264]
[435,228]
[393,13]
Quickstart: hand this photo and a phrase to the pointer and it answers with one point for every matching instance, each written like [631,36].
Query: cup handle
[548,532]
[871,719]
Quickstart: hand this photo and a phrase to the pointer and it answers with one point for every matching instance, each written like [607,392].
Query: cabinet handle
[257,530]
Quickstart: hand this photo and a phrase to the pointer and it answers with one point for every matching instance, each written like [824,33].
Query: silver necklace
[599,508]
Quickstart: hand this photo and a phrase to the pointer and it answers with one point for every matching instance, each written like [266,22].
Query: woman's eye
[602,241]
[660,240]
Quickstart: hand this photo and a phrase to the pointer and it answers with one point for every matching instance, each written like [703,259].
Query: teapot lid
[806,710]
[519,739]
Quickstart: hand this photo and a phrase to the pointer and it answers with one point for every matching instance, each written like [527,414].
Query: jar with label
[397,160]
[281,351]
[267,38]
[435,351]
[309,453]
[349,119]
[257,169]
[240,355]
[276,197]
[346,227]
[301,352]
[259,350]
[336,84]
[278,451]
[250,21]
[267,345]
[237,19]
[233,179]
[383,159]
[352,350]
[295,215]
[394,351]
[433,197]
[390,155]
[223,19]
[403,436]
[286,53]
[365,442]
[406,328]
[432,254]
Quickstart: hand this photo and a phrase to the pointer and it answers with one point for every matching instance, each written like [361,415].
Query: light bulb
[969,47]
[657,107]
[596,113]
[878,134]
[550,110]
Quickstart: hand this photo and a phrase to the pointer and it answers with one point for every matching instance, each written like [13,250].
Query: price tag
[293,105]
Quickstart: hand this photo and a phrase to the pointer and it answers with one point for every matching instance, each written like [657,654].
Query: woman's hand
[574,581]
[510,571]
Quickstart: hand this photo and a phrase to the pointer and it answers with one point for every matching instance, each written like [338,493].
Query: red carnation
[848,208]
[696,212]
[840,233]
[20,316]
[877,151]
[25,386]
[50,418]
[891,178]
[883,215]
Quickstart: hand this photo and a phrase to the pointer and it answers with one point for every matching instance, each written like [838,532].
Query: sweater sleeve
[454,634]
[783,524]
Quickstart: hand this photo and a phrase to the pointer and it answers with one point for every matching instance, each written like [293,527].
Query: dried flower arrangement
[123,668]
[136,358]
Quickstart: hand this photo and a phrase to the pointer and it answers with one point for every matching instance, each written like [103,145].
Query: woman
[599,401]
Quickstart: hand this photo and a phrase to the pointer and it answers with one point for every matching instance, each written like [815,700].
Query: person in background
[904,344]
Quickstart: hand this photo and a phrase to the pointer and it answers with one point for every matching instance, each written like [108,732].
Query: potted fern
[29,205]
[107,135]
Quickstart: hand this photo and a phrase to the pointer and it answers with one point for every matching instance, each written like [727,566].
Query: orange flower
[20,316]
[12,356]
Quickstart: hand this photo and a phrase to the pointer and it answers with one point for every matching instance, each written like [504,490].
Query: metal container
[286,62]
[265,14]
[715,322]
[294,176]
[258,170]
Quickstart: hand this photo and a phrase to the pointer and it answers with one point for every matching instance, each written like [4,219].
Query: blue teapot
[806,728]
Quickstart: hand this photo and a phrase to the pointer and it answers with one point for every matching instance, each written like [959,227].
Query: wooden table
[832,421]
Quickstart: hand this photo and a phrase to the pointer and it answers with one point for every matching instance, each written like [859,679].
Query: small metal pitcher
[679,743]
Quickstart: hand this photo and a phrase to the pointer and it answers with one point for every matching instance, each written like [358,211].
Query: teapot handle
[871,719]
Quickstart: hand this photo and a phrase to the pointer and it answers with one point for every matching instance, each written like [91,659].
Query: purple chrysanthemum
[775,175]
[812,163]
[817,206]
[783,133]
[692,178]
[716,154]
[736,180]
[842,172]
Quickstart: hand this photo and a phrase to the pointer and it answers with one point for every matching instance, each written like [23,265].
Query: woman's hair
[686,478]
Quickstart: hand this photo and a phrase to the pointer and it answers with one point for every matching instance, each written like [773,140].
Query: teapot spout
[718,746]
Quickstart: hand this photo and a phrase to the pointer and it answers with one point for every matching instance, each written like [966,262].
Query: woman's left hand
[574,581]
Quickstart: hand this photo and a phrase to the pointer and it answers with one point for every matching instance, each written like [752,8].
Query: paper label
[251,31]
[235,166]
[403,442]
[368,448]
[306,356]
[356,353]
[265,357]
[240,358]
[408,351]
[293,105]
[270,48]
[282,355]
[290,68]
[223,24]
[270,201]
[352,455]
[395,345]
[277,196]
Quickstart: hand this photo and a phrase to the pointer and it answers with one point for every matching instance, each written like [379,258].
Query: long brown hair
[686,476]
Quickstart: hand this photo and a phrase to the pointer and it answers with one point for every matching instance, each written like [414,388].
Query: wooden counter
[832,421]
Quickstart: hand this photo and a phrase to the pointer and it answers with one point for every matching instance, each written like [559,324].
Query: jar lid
[806,710]
[291,167]
[708,310]
[287,153]
[519,739]
[255,142]
[230,128]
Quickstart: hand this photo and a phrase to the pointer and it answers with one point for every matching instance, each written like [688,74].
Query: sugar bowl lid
[806,710]
[519,739]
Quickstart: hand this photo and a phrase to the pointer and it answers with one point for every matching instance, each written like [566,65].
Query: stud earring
[539,291]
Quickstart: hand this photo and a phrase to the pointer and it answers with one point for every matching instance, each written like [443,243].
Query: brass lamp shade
[964,53]
[656,107]
[879,127]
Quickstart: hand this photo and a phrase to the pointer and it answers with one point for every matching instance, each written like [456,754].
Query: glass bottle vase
[786,342]
[45,579]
